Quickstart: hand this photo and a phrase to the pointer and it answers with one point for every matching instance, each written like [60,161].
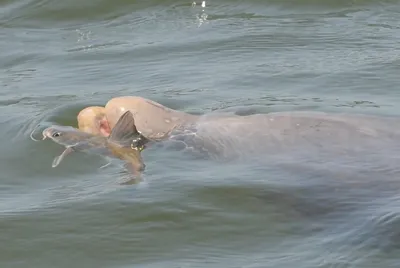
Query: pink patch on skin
[105,129]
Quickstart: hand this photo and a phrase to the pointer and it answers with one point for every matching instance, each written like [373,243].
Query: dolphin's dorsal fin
[124,132]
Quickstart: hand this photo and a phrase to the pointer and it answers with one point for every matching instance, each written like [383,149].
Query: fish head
[65,135]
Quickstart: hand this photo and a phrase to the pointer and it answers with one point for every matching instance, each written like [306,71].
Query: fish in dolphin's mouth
[125,142]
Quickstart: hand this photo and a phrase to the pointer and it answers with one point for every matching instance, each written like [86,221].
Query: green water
[255,56]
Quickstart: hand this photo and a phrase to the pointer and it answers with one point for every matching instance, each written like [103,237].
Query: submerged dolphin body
[229,136]
[124,142]
[359,148]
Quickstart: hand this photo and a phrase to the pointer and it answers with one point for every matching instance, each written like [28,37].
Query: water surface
[244,56]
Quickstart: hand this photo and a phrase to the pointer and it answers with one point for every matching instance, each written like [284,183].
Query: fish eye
[56,134]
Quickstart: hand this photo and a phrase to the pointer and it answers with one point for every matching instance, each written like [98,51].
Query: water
[249,56]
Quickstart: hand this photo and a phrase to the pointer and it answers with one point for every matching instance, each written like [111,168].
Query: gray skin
[125,142]
[320,163]
[301,141]
[342,149]
[229,136]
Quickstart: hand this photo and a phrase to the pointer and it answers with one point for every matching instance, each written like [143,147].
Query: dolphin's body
[336,173]
[354,148]
[236,136]
[228,136]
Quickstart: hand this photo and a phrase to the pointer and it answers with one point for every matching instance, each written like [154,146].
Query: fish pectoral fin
[104,166]
[57,160]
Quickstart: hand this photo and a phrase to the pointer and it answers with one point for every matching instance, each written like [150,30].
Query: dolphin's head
[93,120]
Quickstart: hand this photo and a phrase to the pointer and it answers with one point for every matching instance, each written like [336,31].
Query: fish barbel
[124,142]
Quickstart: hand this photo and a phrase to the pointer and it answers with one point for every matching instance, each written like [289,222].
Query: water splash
[203,16]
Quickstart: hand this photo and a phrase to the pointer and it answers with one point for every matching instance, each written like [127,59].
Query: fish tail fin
[125,132]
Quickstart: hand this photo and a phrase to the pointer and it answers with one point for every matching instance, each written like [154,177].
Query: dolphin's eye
[55,135]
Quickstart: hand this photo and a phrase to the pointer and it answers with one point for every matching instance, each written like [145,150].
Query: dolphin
[228,136]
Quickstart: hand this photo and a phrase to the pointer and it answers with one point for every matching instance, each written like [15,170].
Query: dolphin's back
[237,136]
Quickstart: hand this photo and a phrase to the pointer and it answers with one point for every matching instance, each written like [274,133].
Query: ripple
[291,210]
[95,46]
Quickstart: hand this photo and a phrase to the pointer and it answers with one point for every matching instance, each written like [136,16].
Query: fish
[125,142]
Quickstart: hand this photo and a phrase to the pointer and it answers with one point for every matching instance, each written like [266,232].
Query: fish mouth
[48,133]
[45,134]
